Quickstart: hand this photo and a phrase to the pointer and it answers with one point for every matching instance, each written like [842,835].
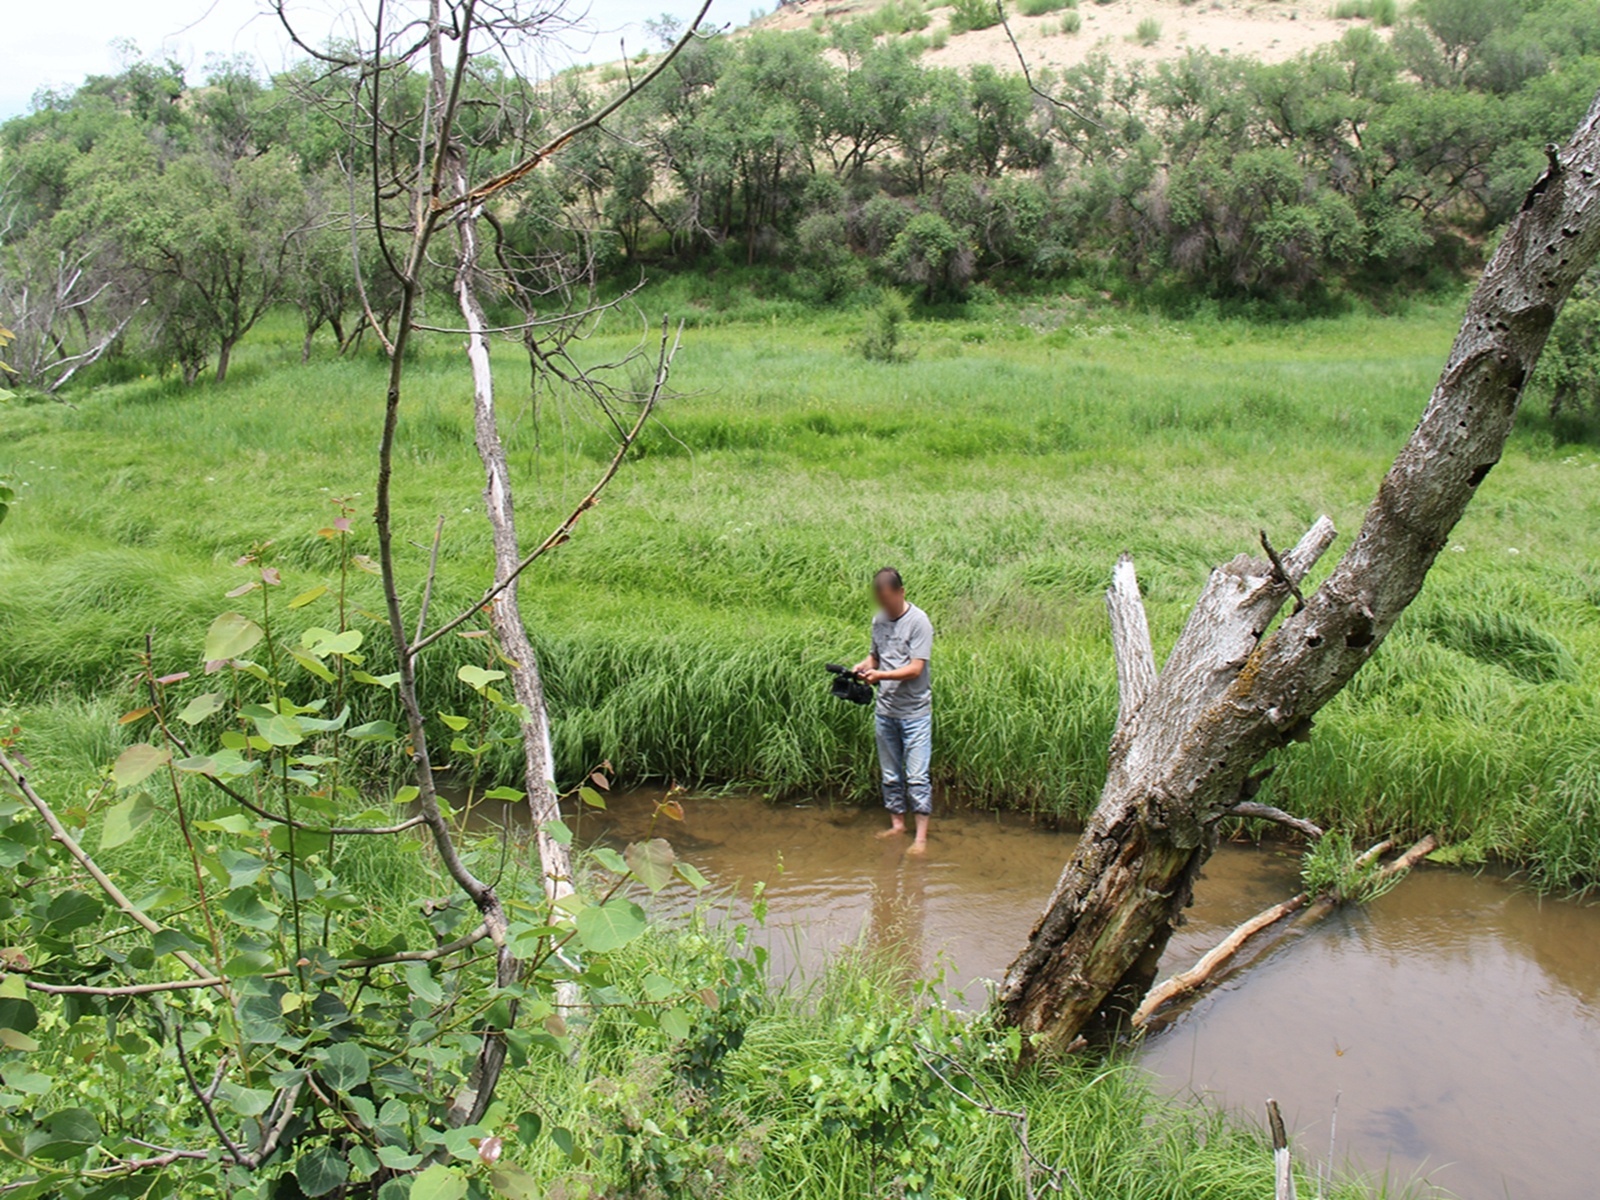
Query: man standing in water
[902,643]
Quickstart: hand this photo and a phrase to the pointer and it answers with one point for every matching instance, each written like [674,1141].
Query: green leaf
[321,1170]
[279,730]
[246,1102]
[610,926]
[344,1066]
[383,681]
[591,797]
[245,907]
[306,597]
[228,823]
[123,821]
[657,988]
[138,762]
[513,1182]
[70,912]
[231,635]
[477,678]
[18,1014]
[323,642]
[201,707]
[170,941]
[261,1015]
[610,860]
[63,1134]
[373,731]
[509,794]
[528,1126]
[558,832]
[454,723]
[312,665]
[397,1159]
[675,1024]
[422,983]
[692,876]
[651,862]
[439,1182]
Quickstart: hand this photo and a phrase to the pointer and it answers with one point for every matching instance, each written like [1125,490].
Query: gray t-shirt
[894,644]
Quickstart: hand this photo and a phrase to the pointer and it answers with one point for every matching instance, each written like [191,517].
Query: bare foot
[917,847]
[892,831]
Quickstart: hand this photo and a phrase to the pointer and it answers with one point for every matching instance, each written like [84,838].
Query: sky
[45,46]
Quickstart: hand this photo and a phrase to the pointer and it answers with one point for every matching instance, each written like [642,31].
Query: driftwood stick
[1282,1167]
[1216,960]
[1265,812]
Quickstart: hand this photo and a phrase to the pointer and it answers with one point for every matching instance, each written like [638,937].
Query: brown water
[1454,1024]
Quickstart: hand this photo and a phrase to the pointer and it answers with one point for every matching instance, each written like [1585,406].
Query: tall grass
[682,632]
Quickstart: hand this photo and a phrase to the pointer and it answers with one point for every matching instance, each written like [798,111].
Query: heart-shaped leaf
[231,635]
[137,762]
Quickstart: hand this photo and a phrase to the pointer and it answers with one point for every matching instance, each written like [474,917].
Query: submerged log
[1232,691]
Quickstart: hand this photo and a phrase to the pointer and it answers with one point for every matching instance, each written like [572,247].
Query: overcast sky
[55,45]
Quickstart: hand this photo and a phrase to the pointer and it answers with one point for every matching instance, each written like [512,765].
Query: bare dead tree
[1189,738]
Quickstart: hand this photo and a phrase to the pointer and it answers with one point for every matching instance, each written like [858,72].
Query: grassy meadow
[1002,469]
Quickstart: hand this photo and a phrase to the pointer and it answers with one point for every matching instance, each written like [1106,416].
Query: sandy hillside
[1272,30]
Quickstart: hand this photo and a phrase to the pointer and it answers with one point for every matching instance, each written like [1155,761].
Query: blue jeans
[905,752]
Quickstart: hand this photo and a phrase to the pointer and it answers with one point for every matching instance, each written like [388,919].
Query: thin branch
[505,179]
[1027,75]
[1265,812]
[433,570]
[59,833]
[563,531]
[215,1121]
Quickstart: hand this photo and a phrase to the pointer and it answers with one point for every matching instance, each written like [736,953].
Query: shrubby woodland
[150,214]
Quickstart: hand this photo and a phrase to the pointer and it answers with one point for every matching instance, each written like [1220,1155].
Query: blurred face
[891,599]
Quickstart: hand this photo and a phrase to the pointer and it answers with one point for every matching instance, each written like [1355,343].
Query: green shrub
[929,253]
[940,37]
[1071,21]
[967,15]
[1039,8]
[1379,12]
[1148,32]
[882,340]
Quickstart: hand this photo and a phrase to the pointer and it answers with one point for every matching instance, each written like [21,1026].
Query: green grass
[1002,469]
[794,1094]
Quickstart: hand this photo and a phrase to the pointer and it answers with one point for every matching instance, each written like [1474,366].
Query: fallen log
[1216,960]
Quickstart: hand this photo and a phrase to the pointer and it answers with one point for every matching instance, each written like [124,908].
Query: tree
[1233,690]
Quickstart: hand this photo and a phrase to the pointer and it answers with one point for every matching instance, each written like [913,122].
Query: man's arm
[869,663]
[910,671]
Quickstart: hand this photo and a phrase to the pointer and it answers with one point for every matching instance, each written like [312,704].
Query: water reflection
[1457,1020]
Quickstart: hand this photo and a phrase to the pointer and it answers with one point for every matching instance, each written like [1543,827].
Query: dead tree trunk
[1187,740]
[505,617]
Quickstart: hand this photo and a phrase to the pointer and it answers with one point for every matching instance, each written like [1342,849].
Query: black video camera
[847,685]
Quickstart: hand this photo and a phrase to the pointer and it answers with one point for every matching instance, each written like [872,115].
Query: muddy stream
[1456,1020]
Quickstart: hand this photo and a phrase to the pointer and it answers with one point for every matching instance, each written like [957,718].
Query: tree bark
[1187,741]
